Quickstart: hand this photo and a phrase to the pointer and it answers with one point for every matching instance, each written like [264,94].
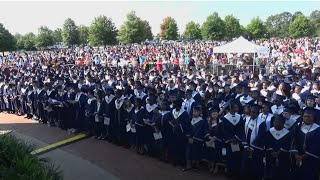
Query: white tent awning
[240,45]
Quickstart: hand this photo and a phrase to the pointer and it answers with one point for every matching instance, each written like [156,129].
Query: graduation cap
[214,110]
[279,118]
[311,97]
[255,107]
[189,91]
[197,108]
[178,102]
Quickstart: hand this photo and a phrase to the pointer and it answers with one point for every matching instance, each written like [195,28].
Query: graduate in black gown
[162,125]
[138,117]
[196,139]
[252,140]
[232,126]
[90,110]
[306,148]
[108,105]
[180,125]
[214,142]
[277,144]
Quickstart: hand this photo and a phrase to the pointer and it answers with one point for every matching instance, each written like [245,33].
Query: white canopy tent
[241,45]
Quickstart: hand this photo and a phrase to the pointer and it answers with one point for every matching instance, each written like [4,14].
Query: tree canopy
[102,32]
[70,33]
[169,29]
[213,28]
[192,31]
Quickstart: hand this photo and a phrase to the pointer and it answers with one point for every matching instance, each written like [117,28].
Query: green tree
[256,28]
[192,31]
[147,30]
[57,35]
[213,28]
[102,31]
[44,37]
[7,40]
[301,27]
[296,14]
[315,21]
[84,34]
[232,27]
[19,41]
[169,29]
[29,41]
[278,25]
[70,33]
[134,30]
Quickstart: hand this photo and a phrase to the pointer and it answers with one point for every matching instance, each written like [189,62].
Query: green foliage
[70,33]
[16,162]
[256,28]
[26,42]
[192,31]
[315,21]
[44,37]
[102,32]
[301,27]
[7,40]
[134,30]
[169,29]
[232,27]
[84,34]
[278,25]
[213,28]
[57,35]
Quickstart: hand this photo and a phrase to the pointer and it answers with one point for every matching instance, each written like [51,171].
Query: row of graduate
[258,143]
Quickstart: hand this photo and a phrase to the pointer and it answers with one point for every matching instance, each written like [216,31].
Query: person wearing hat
[98,114]
[292,117]
[252,160]
[277,108]
[139,116]
[246,98]
[196,139]
[195,94]
[59,108]
[189,102]
[116,124]
[162,126]
[40,95]
[277,144]
[266,115]
[108,104]
[180,124]
[214,141]
[90,109]
[151,114]
[306,147]
[232,126]
[30,100]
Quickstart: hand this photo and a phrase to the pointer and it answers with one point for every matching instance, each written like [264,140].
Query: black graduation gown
[199,129]
[252,138]
[71,108]
[39,103]
[30,100]
[60,109]
[232,127]
[90,110]
[306,142]
[149,130]
[277,141]
[214,150]
[118,126]
[180,129]
[163,125]
[108,106]
[138,118]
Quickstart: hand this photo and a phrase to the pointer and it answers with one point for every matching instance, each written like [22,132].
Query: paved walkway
[90,159]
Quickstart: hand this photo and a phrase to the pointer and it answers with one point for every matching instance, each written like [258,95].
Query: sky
[27,16]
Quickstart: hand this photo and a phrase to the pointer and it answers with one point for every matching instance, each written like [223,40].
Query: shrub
[17,163]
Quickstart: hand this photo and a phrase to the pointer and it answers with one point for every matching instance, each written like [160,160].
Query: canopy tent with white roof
[241,45]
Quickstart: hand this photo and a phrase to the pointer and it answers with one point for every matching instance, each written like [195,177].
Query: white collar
[308,128]
[49,92]
[164,112]
[130,108]
[151,107]
[109,98]
[278,134]
[91,99]
[233,119]
[119,102]
[137,110]
[141,95]
[196,120]
[176,114]
[194,93]
[291,121]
